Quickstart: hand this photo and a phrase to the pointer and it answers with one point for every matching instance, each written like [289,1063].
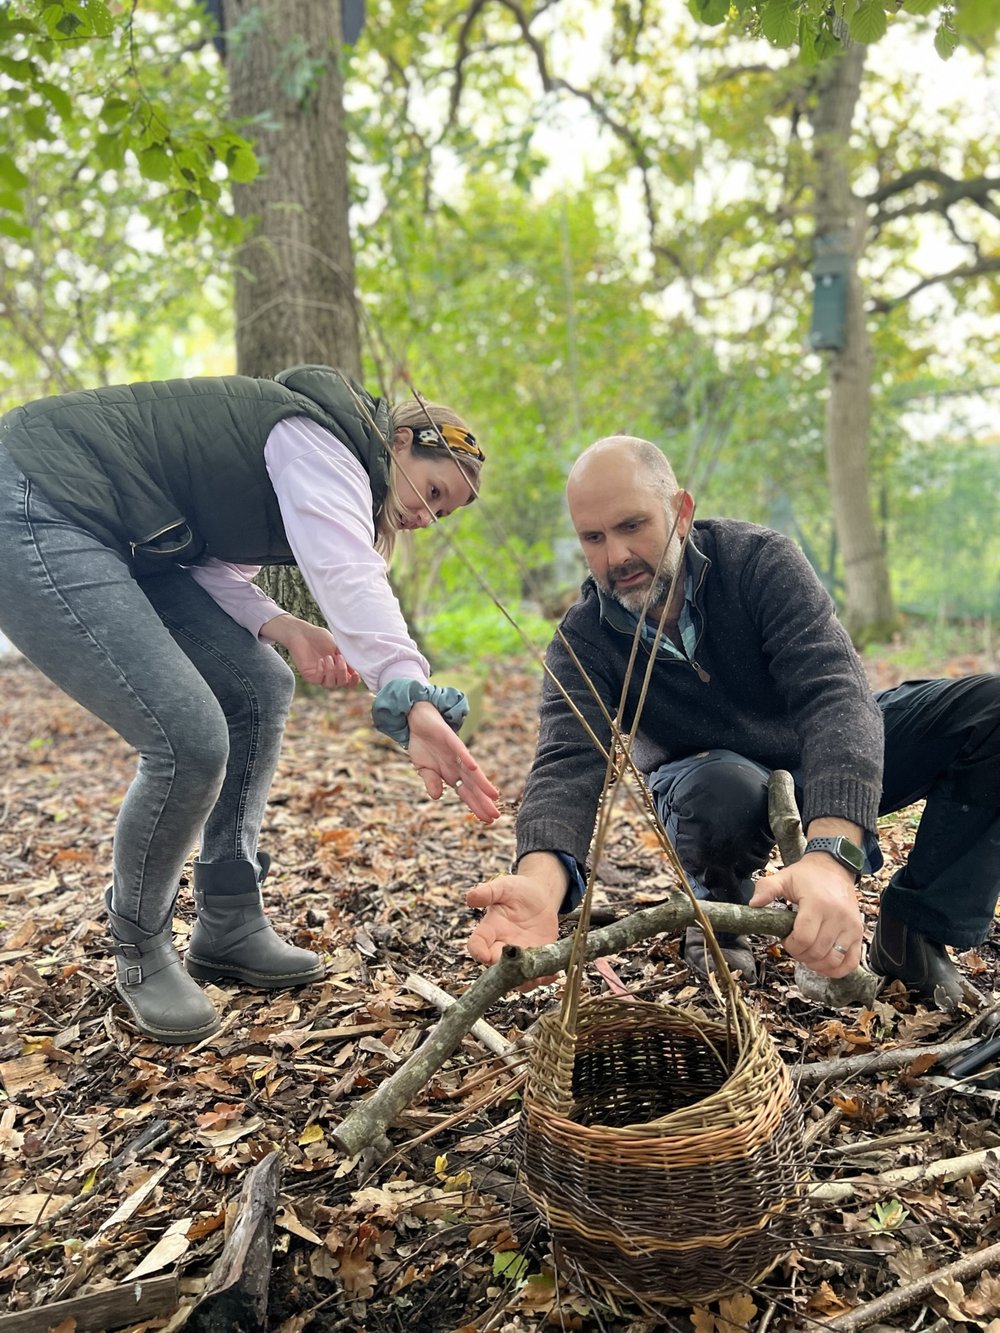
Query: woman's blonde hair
[415,414]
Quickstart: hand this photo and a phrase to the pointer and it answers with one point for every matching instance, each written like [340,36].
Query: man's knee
[719,809]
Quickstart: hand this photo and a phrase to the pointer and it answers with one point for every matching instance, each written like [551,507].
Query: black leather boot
[165,1003]
[232,939]
[899,951]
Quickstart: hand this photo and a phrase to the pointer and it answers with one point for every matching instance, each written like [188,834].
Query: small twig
[904,1297]
[483,1032]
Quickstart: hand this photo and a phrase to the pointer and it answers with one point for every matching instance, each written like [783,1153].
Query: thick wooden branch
[97,1311]
[846,1067]
[367,1123]
[950,188]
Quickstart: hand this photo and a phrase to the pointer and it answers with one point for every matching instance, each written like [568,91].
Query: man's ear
[685,512]
[401,437]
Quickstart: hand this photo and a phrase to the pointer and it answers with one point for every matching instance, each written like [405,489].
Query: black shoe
[897,950]
[735,950]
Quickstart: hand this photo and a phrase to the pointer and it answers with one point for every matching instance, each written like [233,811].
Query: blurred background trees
[769,249]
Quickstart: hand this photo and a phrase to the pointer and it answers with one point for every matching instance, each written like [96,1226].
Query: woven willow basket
[663,1148]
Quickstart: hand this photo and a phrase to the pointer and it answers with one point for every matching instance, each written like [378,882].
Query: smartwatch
[848,853]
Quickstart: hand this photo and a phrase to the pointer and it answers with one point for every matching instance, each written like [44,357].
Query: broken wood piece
[904,1297]
[114,1307]
[858,987]
[483,1032]
[237,1290]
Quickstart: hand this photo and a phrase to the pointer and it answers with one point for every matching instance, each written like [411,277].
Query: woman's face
[430,486]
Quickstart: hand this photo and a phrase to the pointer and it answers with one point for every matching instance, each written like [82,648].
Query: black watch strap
[848,853]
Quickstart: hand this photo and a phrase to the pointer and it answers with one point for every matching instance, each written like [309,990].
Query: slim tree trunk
[295,296]
[295,299]
[839,215]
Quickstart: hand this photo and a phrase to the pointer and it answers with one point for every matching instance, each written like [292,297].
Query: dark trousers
[942,746]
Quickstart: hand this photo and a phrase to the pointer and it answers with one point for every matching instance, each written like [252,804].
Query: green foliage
[101,252]
[143,111]
[468,630]
[820,29]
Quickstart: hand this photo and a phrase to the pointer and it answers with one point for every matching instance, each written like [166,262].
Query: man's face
[623,527]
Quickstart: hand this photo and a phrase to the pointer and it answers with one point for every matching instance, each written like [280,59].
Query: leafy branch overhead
[819,29]
[126,91]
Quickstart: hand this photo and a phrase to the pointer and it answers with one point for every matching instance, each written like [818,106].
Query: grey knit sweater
[773,676]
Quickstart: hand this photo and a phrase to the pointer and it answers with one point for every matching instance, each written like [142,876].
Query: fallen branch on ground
[940,1173]
[482,1031]
[237,1290]
[876,1062]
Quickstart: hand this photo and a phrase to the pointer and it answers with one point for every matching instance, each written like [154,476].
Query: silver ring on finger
[839,948]
[458,783]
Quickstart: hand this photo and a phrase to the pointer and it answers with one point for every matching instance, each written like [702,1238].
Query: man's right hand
[521,909]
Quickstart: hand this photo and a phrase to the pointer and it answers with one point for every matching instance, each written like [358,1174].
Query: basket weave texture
[664,1148]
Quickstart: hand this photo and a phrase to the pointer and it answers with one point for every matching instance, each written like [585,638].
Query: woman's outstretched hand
[442,760]
[313,649]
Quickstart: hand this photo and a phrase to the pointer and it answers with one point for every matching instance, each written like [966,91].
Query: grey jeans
[198,697]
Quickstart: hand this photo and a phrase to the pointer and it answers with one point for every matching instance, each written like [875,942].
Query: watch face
[852,854]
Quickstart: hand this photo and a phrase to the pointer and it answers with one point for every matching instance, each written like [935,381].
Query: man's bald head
[623,455]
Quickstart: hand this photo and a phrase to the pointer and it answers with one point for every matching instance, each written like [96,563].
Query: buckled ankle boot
[232,939]
[165,1003]
[897,950]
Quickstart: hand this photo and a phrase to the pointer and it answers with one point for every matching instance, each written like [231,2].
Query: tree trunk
[839,216]
[295,296]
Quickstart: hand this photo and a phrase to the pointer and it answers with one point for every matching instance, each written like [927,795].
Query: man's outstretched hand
[521,909]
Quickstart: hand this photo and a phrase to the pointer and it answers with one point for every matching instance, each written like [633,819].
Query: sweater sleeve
[326,505]
[558,810]
[816,670]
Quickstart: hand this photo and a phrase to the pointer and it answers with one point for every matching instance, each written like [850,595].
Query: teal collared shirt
[685,626]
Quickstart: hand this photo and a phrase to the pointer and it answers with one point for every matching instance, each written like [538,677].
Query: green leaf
[58,100]
[17,231]
[978,18]
[921,6]
[868,23]
[242,164]
[712,12]
[99,18]
[11,174]
[511,1265]
[155,164]
[110,151]
[945,40]
[779,22]
[114,110]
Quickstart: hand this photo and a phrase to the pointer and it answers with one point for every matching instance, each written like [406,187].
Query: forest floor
[117,1152]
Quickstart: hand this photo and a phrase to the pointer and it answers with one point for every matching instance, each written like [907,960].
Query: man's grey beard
[639,598]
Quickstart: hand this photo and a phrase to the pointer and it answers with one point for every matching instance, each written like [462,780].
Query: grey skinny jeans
[198,697]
